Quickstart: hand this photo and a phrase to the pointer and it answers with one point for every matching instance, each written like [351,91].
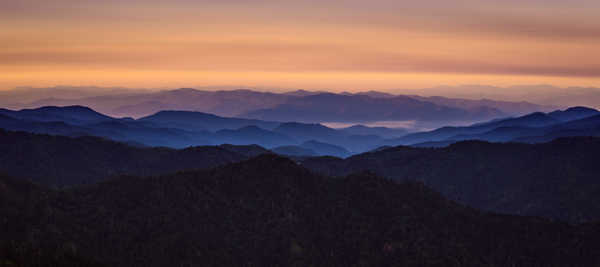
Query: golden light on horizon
[340,45]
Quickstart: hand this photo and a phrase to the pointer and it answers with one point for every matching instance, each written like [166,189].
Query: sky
[340,45]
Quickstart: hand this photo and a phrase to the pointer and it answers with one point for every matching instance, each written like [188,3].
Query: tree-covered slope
[65,161]
[560,179]
[268,211]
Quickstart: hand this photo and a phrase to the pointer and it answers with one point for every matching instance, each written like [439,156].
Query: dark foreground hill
[268,211]
[560,179]
[65,161]
[557,180]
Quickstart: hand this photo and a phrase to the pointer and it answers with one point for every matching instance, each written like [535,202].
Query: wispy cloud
[438,41]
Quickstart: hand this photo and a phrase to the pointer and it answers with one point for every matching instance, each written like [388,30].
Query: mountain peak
[580,109]
[184,90]
[75,115]
[271,162]
[181,113]
[573,113]
[251,128]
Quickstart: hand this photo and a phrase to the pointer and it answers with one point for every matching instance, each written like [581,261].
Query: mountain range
[534,127]
[223,178]
[556,180]
[89,201]
[268,211]
[299,106]
[64,161]
[328,107]
[180,129]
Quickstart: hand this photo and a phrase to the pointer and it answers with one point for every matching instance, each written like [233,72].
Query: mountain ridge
[218,217]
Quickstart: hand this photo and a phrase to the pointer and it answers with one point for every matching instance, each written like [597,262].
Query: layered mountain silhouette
[243,178]
[198,121]
[534,127]
[301,105]
[223,103]
[521,107]
[64,161]
[328,107]
[304,132]
[294,151]
[269,211]
[253,135]
[313,148]
[180,129]
[75,115]
[383,132]
[554,180]
[125,130]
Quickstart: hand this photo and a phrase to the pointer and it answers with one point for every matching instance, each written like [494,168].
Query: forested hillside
[65,161]
[268,211]
[557,180]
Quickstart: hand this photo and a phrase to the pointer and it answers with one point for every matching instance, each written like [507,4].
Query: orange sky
[349,45]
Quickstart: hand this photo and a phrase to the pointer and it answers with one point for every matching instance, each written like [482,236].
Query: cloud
[440,40]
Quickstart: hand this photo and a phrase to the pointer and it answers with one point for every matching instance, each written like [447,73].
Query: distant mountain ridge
[243,102]
[575,121]
[199,121]
[312,148]
[328,107]
[76,115]
[180,129]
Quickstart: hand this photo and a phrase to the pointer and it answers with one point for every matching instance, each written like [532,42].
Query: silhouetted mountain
[512,108]
[587,126]
[21,97]
[60,128]
[536,119]
[433,144]
[379,131]
[82,121]
[303,132]
[546,94]
[574,113]
[324,149]
[501,134]
[302,93]
[74,115]
[502,130]
[584,127]
[554,180]
[361,108]
[198,121]
[294,151]
[312,148]
[506,107]
[222,103]
[177,129]
[132,103]
[64,161]
[376,94]
[253,135]
[268,211]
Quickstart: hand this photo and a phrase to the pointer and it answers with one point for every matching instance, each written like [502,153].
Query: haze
[337,45]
